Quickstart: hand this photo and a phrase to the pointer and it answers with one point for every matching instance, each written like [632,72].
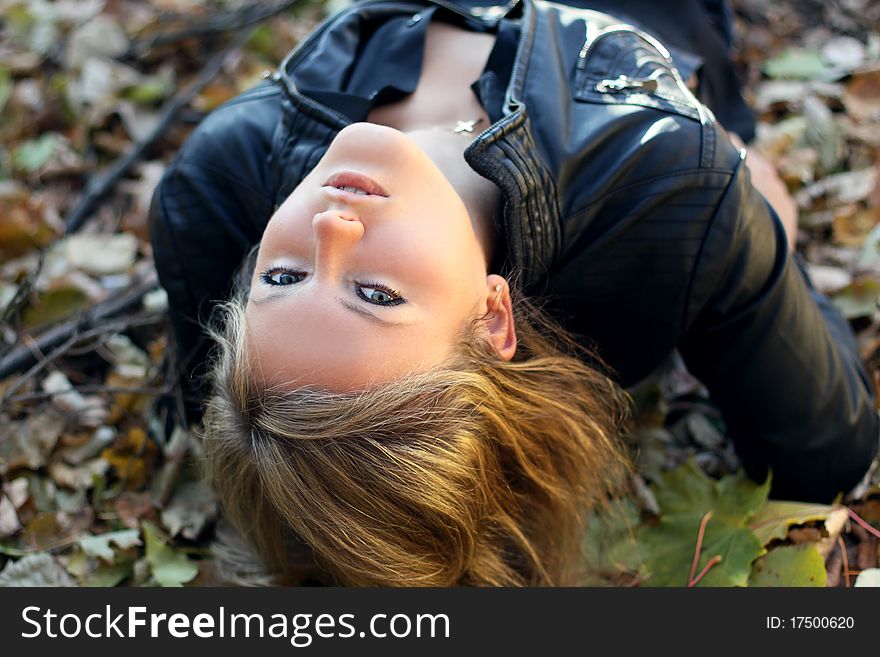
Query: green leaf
[688,490]
[796,64]
[99,545]
[685,496]
[150,90]
[858,299]
[790,565]
[169,567]
[669,550]
[773,520]
[108,575]
[5,87]
[610,545]
[54,305]
[33,154]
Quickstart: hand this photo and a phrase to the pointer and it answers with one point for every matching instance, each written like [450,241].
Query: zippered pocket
[623,65]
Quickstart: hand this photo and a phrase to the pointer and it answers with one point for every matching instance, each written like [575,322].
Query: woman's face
[352,287]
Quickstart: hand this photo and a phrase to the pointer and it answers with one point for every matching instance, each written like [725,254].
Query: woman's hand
[765,178]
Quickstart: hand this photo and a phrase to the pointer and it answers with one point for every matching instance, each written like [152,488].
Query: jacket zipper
[622,27]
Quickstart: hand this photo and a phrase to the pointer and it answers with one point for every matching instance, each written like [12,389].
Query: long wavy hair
[477,472]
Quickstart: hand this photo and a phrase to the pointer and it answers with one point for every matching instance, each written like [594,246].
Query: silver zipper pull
[624,83]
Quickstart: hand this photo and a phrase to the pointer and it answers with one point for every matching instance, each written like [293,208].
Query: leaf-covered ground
[97,96]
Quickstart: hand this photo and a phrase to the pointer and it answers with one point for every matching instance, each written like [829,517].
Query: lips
[355,183]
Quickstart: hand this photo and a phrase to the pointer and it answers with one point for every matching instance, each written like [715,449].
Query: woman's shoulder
[243,123]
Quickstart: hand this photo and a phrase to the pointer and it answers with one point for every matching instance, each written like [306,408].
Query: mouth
[355,183]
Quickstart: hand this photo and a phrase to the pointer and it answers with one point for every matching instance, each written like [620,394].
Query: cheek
[428,258]
[291,225]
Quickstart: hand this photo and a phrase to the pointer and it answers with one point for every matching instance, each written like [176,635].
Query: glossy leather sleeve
[210,207]
[780,361]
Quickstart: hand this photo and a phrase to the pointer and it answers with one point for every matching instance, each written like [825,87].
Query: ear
[498,325]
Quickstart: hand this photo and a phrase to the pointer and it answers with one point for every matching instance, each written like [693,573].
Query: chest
[453,59]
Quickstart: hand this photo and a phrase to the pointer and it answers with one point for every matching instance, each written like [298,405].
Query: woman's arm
[209,208]
[780,361]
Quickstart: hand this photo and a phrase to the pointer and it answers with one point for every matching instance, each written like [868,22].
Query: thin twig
[869,528]
[93,389]
[219,23]
[845,560]
[44,361]
[703,523]
[99,186]
[22,356]
[714,560]
[24,290]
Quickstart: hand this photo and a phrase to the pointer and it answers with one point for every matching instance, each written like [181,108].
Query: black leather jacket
[624,205]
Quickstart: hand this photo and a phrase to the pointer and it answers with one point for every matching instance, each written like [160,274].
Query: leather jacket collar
[505,153]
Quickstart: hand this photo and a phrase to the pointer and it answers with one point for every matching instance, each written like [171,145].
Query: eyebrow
[363,312]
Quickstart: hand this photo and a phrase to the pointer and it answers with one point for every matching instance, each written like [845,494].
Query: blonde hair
[477,472]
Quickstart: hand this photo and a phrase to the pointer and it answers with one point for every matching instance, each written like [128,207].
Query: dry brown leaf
[23,227]
[852,223]
[862,95]
[132,507]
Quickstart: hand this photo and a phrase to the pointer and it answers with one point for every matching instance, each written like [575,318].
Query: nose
[336,234]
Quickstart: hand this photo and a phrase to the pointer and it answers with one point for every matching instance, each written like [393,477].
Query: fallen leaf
[28,443]
[35,570]
[828,280]
[848,187]
[870,577]
[844,53]
[99,545]
[774,140]
[772,521]
[685,496]
[100,438]
[100,255]
[132,457]
[858,299]
[33,154]
[798,166]
[90,410]
[862,95]
[33,25]
[5,86]
[17,491]
[9,521]
[106,575]
[43,531]
[101,36]
[796,64]
[81,477]
[52,305]
[131,507]
[130,360]
[139,123]
[169,567]
[852,224]
[213,95]
[191,509]
[99,85]
[789,565]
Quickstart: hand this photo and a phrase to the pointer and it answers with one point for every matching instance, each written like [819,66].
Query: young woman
[473,224]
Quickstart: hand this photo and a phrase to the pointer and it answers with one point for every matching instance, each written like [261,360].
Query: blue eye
[374,293]
[378,294]
[281,276]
